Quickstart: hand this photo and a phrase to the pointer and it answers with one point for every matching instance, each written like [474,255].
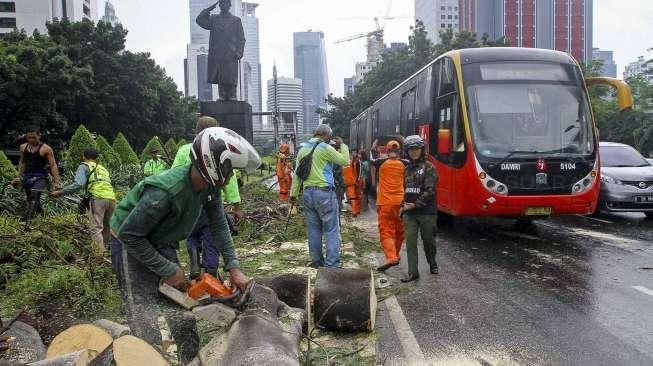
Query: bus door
[451,186]
[407,124]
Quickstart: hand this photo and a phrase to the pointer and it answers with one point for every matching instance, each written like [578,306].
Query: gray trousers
[99,216]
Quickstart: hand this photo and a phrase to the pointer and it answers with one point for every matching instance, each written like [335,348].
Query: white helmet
[217,151]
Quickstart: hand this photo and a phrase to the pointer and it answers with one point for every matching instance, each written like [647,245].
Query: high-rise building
[251,62]
[350,85]
[311,68]
[563,25]
[609,67]
[249,81]
[110,14]
[438,15]
[641,67]
[32,15]
[289,93]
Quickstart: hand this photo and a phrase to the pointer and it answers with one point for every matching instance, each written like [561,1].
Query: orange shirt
[391,183]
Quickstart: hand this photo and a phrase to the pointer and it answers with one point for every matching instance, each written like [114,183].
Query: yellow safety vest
[99,182]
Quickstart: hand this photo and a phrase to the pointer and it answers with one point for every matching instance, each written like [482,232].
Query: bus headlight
[490,183]
[587,182]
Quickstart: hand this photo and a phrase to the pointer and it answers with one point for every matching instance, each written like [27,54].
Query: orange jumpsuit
[284,176]
[354,185]
[390,195]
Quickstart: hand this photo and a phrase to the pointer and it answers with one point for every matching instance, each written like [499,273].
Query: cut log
[131,351]
[78,358]
[26,347]
[78,338]
[345,300]
[290,288]
[114,329]
[262,299]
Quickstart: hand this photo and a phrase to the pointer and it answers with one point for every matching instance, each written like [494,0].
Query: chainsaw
[206,290]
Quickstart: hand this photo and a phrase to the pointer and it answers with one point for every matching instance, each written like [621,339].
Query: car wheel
[649,215]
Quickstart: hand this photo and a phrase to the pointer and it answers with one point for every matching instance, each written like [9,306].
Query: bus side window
[458,135]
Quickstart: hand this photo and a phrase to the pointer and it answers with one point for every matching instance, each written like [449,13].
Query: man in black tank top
[36,164]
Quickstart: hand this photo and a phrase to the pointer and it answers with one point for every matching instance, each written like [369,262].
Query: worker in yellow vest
[96,182]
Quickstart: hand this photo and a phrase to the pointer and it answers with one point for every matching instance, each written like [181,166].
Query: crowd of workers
[186,202]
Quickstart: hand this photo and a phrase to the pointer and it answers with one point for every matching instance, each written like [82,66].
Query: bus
[510,130]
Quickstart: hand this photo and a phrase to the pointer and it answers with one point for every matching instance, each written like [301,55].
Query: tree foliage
[108,157]
[395,67]
[124,150]
[181,143]
[171,149]
[153,144]
[7,169]
[81,72]
[80,141]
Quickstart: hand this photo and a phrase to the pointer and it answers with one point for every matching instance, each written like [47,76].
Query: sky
[161,27]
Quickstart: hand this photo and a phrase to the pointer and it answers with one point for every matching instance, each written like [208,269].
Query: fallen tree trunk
[131,351]
[291,288]
[82,337]
[79,358]
[345,300]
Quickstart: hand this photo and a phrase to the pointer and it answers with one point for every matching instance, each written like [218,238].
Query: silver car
[626,180]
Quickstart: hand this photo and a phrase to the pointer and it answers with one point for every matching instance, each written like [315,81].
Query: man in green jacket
[321,208]
[160,212]
[156,165]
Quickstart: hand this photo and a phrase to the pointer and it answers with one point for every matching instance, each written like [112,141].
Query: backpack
[305,164]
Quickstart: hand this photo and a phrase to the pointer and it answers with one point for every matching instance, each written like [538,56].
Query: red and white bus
[510,130]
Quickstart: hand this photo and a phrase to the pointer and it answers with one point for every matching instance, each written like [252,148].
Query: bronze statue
[226,47]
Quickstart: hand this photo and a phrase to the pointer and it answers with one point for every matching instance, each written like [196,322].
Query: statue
[226,47]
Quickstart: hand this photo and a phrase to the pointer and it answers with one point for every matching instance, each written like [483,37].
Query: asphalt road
[570,291]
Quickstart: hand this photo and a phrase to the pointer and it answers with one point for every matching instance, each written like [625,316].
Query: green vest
[98,183]
[186,205]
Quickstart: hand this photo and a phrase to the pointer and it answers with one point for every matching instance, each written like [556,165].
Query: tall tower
[311,67]
[110,14]
[32,15]
[438,15]
[251,62]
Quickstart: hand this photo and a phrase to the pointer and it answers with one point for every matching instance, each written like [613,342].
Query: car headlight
[610,180]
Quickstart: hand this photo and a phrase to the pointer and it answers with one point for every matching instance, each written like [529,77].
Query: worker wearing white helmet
[159,213]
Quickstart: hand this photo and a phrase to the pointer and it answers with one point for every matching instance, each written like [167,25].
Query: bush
[171,149]
[124,150]
[7,169]
[80,141]
[153,144]
[181,143]
[108,156]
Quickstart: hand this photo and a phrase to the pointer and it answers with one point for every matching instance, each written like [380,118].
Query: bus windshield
[527,107]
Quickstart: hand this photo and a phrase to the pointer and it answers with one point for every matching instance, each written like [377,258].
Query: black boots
[387,266]
[410,278]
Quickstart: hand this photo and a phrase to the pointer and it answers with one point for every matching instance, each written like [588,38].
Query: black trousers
[146,308]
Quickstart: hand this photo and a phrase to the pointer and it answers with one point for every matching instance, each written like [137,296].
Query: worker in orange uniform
[389,198]
[284,172]
[354,183]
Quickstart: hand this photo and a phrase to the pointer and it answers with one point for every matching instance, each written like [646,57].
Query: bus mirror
[624,93]
[444,142]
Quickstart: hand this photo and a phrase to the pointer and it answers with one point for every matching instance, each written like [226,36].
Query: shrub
[7,169]
[108,156]
[171,149]
[80,141]
[181,143]
[124,150]
[153,144]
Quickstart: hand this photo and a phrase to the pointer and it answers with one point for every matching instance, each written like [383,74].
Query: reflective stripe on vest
[99,182]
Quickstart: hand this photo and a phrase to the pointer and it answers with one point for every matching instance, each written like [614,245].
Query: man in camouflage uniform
[419,209]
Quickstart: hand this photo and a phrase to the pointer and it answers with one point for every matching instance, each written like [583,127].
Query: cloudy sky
[161,27]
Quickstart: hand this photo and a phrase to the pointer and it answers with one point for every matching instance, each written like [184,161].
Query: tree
[171,149]
[108,156]
[7,169]
[181,143]
[153,144]
[127,155]
[81,72]
[80,141]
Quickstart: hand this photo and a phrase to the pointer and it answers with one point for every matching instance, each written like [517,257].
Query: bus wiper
[513,153]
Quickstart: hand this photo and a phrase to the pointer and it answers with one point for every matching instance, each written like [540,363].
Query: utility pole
[275,116]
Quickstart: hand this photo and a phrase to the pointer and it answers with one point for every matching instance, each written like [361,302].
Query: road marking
[605,238]
[643,290]
[595,219]
[513,234]
[412,353]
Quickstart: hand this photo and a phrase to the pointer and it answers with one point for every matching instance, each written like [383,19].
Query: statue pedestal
[234,115]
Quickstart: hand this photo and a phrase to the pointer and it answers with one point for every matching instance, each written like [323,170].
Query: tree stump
[345,300]
[82,337]
[131,351]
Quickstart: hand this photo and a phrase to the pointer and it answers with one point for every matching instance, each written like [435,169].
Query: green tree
[171,149]
[124,150]
[153,144]
[108,156]
[80,141]
[181,143]
[7,169]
